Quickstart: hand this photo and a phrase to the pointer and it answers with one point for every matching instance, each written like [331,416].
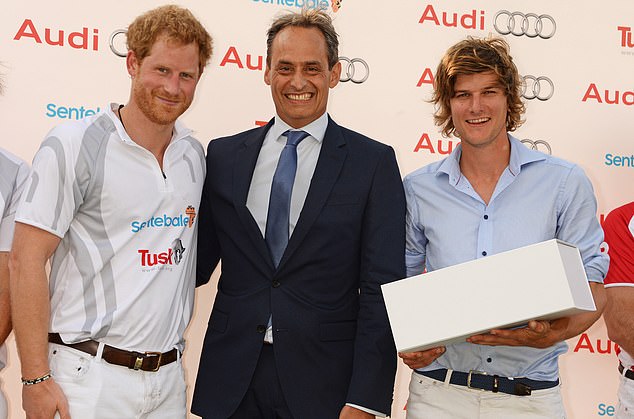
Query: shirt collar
[179,131]
[316,129]
[520,156]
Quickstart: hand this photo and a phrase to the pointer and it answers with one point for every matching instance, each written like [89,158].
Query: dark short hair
[307,18]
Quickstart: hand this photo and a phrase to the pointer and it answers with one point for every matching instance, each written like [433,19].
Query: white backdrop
[58,63]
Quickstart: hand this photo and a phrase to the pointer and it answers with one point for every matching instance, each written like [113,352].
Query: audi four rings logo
[539,145]
[529,24]
[355,70]
[541,88]
[115,43]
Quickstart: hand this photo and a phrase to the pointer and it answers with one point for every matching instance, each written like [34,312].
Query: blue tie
[277,220]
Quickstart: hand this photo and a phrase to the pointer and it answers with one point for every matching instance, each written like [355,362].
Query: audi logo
[115,46]
[355,70]
[529,24]
[539,145]
[541,88]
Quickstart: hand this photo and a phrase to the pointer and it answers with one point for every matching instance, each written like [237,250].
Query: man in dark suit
[299,328]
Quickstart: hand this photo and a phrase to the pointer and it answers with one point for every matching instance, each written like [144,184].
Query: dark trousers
[264,398]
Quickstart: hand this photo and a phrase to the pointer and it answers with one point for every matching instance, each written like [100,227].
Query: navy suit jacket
[332,340]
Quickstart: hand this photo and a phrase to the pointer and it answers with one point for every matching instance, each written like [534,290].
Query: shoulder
[96,128]
[356,139]
[233,141]
[622,215]
[194,145]
[424,174]
[10,160]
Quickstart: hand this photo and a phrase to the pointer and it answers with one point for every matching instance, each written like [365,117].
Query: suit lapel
[244,166]
[331,158]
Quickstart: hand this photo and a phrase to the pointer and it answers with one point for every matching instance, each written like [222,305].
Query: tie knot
[294,137]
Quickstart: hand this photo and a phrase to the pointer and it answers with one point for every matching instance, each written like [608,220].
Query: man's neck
[483,166]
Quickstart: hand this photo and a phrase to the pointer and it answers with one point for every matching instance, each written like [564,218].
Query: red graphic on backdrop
[425,143]
[78,40]
[473,20]
[426,78]
[232,56]
[626,36]
[615,97]
[599,346]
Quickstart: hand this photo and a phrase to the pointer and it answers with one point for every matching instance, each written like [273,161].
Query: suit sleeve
[382,261]
[208,246]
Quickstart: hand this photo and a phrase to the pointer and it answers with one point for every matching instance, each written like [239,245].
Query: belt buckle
[471,372]
[138,363]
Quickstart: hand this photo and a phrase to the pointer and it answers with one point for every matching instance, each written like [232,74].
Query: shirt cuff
[365,409]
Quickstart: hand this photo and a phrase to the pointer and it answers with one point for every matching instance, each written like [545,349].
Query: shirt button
[484,253]
[489,360]
[486,217]
[276,283]
[260,328]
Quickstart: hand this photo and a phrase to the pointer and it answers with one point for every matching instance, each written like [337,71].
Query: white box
[541,281]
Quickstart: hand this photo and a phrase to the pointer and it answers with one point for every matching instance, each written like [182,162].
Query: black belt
[483,381]
[144,361]
[628,374]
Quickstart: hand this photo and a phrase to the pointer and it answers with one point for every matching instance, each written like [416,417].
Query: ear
[335,74]
[132,63]
[267,75]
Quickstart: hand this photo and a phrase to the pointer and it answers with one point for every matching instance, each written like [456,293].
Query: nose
[476,103]
[172,84]
[298,81]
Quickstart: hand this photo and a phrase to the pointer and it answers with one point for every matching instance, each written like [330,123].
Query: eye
[313,69]
[284,69]
[187,76]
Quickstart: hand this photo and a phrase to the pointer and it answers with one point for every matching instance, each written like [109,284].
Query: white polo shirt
[124,271]
[13,175]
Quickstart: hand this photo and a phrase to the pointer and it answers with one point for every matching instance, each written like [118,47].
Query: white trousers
[625,409]
[429,398]
[98,390]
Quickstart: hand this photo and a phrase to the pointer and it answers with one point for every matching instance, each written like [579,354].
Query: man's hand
[349,412]
[42,400]
[421,359]
[537,334]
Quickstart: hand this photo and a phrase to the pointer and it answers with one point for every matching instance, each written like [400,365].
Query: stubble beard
[156,112]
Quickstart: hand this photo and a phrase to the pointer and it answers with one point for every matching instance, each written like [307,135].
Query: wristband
[36,380]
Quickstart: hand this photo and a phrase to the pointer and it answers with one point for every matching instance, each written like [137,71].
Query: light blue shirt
[538,197]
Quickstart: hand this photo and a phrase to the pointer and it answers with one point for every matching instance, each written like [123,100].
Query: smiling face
[478,109]
[164,82]
[299,76]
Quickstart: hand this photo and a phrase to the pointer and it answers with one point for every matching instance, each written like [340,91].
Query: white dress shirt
[307,155]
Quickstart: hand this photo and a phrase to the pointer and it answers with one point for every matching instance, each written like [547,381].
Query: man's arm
[208,253]
[619,316]
[30,304]
[382,261]
[5,310]
[543,333]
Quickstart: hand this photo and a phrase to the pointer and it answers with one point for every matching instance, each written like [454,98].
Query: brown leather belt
[144,361]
